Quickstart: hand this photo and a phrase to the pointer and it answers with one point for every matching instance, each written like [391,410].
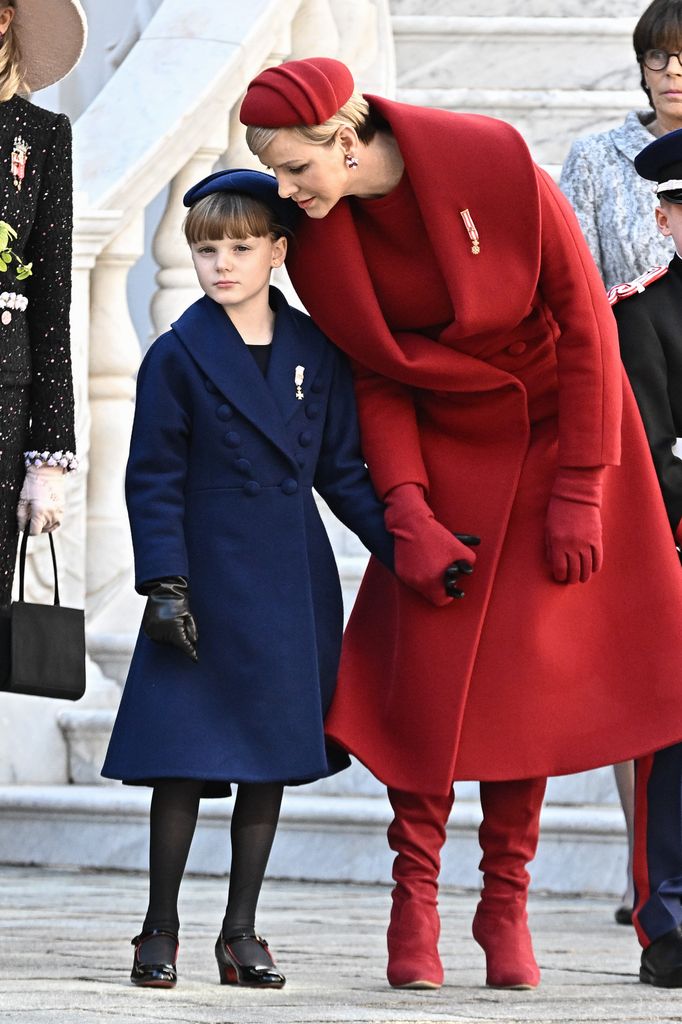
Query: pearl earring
[351,161]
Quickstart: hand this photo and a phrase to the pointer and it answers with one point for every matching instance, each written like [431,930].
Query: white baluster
[176,279]
[34,749]
[314,30]
[114,359]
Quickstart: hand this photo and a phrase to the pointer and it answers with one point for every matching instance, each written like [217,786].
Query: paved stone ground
[65,959]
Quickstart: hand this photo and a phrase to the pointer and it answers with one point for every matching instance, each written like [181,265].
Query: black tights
[174,810]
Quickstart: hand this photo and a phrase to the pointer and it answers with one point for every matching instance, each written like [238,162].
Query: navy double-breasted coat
[220,490]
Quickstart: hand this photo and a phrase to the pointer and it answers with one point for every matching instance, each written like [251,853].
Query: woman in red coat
[453,272]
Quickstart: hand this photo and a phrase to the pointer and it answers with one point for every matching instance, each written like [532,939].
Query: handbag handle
[22,566]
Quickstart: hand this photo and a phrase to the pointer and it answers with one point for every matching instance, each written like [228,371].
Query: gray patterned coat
[614,205]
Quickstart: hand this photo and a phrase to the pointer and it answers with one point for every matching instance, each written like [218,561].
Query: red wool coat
[525,676]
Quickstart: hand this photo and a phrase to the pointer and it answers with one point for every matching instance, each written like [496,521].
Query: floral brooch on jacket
[7,254]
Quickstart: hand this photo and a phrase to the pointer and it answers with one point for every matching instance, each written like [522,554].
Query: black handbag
[42,646]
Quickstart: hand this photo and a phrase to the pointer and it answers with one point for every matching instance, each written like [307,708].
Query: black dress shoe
[153,975]
[235,971]
[623,914]
[661,962]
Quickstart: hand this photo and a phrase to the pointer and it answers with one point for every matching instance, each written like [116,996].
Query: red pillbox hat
[298,92]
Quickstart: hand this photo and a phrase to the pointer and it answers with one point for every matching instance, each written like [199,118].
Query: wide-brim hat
[250,183]
[51,35]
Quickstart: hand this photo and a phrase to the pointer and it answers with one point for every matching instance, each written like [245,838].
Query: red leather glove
[573,530]
[424,549]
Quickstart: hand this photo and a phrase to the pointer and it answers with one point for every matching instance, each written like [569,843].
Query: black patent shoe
[623,914]
[661,962]
[234,971]
[153,975]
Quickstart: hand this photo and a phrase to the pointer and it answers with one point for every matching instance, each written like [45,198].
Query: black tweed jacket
[34,342]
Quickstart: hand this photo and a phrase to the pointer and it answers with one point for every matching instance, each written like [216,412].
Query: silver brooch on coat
[20,151]
[471,231]
[298,381]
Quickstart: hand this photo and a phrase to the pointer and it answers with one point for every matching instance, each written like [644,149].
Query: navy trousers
[657,865]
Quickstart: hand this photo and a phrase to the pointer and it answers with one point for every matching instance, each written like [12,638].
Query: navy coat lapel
[216,346]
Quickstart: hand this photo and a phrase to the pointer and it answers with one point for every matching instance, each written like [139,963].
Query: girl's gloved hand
[573,534]
[167,618]
[428,557]
[41,502]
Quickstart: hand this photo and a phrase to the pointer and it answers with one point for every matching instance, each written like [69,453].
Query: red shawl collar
[455,162]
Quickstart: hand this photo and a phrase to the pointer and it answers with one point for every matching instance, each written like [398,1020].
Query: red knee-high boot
[417,834]
[508,838]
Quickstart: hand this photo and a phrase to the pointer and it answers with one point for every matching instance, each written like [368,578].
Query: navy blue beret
[661,161]
[251,183]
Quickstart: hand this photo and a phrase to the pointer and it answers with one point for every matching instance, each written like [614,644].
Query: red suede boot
[417,834]
[508,838]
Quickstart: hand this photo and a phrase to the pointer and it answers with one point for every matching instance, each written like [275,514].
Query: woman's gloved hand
[428,557]
[41,501]
[167,618]
[573,535]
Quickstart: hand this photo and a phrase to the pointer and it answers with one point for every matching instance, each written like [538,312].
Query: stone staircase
[554,70]
[323,835]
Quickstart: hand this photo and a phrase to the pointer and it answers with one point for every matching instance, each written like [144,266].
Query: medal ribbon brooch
[471,231]
[298,381]
[20,151]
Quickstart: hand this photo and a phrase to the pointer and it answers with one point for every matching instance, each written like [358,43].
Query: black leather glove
[461,567]
[167,618]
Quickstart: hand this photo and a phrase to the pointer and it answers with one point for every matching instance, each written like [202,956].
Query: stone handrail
[189,68]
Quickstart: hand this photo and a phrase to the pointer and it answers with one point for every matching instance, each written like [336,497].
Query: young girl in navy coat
[242,408]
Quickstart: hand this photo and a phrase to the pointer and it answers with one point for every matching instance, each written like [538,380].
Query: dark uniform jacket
[220,489]
[650,334]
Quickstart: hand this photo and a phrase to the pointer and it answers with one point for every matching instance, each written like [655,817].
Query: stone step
[531,8]
[549,119]
[320,838]
[514,52]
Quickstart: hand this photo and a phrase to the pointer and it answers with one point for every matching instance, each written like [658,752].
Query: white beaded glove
[41,502]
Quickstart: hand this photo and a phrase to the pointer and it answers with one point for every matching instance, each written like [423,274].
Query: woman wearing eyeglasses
[613,203]
[615,206]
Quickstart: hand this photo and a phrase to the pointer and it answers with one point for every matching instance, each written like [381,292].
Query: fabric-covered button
[312,411]
[251,488]
[242,465]
[224,412]
[516,348]
[232,439]
[318,386]
[305,438]
[300,459]
[289,486]
[210,387]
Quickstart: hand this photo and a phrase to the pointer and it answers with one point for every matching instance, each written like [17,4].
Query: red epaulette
[624,291]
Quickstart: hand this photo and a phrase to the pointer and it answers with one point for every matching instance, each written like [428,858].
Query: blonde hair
[230,215]
[354,113]
[12,71]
